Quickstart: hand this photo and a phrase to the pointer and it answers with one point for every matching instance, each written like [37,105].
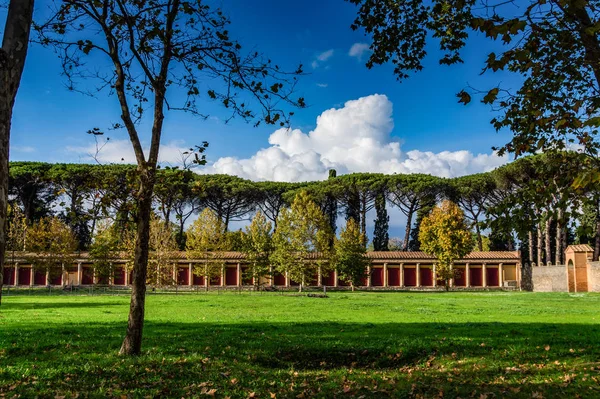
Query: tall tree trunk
[132,344]
[596,255]
[12,61]
[479,239]
[409,217]
[363,215]
[540,240]
[530,242]
[548,241]
[559,238]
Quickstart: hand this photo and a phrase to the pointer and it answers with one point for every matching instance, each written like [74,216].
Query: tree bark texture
[132,344]
[548,242]
[530,242]
[540,244]
[409,216]
[12,61]
[559,238]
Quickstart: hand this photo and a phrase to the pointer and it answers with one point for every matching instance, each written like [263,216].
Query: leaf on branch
[491,96]
[464,97]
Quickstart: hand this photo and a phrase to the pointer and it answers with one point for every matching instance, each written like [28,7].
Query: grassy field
[482,345]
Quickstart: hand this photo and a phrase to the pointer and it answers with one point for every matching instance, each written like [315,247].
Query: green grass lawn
[483,345]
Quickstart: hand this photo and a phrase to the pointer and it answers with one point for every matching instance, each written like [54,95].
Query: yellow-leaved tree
[51,244]
[445,235]
[303,233]
[206,240]
[258,245]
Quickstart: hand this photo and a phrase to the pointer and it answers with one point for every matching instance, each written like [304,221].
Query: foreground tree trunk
[12,61]
[132,344]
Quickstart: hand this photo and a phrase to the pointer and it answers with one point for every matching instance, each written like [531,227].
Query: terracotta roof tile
[376,256]
[580,248]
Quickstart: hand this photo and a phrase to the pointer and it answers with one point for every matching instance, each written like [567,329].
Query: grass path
[482,345]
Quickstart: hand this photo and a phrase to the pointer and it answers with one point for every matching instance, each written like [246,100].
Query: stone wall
[549,278]
[594,277]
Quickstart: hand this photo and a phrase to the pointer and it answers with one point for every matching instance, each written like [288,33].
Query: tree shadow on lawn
[61,305]
[391,359]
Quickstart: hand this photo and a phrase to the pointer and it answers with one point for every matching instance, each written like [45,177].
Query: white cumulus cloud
[358,50]
[353,138]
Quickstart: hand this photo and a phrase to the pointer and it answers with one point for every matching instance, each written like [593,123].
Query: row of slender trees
[303,232]
[529,204]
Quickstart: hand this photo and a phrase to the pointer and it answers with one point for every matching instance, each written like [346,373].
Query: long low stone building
[394,269]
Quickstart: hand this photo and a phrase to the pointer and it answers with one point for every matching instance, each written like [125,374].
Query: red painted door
[215,280]
[278,279]
[183,276]
[231,276]
[55,277]
[459,277]
[393,277]
[328,279]
[9,275]
[87,277]
[39,277]
[119,276]
[294,283]
[342,283]
[24,276]
[426,275]
[377,277]
[314,281]
[410,277]
[492,277]
[198,280]
[476,277]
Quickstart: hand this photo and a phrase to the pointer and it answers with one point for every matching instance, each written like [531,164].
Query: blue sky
[357,119]
[50,122]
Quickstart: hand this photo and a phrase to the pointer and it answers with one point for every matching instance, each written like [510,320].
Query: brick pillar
[385,275]
[434,275]
[271,279]
[500,275]
[401,274]
[62,278]
[287,279]
[80,274]
[418,271]
[239,275]
[484,274]
[518,274]
[223,275]
[467,276]
[47,277]
[368,276]
[127,282]
[31,276]
[16,274]
[190,274]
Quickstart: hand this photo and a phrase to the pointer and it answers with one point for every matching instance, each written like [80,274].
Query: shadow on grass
[60,305]
[330,359]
